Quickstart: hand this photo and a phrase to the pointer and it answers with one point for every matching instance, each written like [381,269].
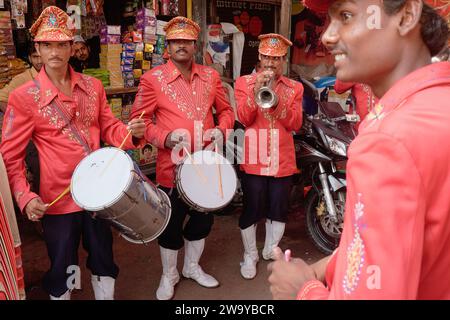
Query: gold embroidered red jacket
[172,103]
[396,238]
[269,144]
[31,114]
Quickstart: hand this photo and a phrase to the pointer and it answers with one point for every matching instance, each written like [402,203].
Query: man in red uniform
[365,100]
[66,115]
[396,238]
[181,95]
[269,161]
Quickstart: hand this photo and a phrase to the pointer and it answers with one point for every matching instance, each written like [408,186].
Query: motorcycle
[321,152]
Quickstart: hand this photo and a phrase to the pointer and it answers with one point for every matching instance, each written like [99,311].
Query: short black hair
[434,29]
[31,48]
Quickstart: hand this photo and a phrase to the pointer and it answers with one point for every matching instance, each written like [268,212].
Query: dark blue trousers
[196,228]
[62,234]
[264,197]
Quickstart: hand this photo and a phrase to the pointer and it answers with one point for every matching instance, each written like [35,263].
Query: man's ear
[410,16]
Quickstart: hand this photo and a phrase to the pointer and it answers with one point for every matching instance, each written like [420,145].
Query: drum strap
[76,133]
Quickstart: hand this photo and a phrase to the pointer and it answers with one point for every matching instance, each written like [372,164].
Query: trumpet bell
[266,98]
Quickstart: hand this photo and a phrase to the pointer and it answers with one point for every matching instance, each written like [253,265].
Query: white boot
[170,276]
[64,296]
[248,266]
[268,242]
[191,268]
[103,287]
[274,233]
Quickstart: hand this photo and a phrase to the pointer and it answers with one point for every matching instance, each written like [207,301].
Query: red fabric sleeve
[341,87]
[146,99]
[225,114]
[294,114]
[245,101]
[112,130]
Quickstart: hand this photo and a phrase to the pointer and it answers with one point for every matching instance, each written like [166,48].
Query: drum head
[100,179]
[205,193]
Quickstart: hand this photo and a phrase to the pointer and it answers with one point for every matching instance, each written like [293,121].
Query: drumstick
[120,147]
[129,132]
[60,196]
[219,169]
[197,170]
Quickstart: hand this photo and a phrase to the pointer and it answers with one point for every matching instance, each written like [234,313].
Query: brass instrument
[266,98]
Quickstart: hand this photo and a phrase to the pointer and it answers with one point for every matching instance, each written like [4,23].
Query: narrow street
[140,265]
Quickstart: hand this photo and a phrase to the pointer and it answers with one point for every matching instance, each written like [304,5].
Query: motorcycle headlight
[337,146]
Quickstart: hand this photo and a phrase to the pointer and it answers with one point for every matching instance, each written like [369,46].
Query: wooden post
[285,18]
[199,15]
[285,26]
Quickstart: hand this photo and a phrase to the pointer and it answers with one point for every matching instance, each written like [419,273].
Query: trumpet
[266,98]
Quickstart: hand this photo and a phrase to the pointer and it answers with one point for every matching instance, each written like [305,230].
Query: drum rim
[182,193]
[95,209]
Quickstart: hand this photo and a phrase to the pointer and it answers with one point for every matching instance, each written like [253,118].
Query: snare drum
[199,184]
[109,184]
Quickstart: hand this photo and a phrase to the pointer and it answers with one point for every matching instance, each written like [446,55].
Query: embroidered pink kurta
[172,103]
[31,114]
[396,238]
[269,143]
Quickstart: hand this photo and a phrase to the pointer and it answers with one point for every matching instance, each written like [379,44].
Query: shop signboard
[253,19]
